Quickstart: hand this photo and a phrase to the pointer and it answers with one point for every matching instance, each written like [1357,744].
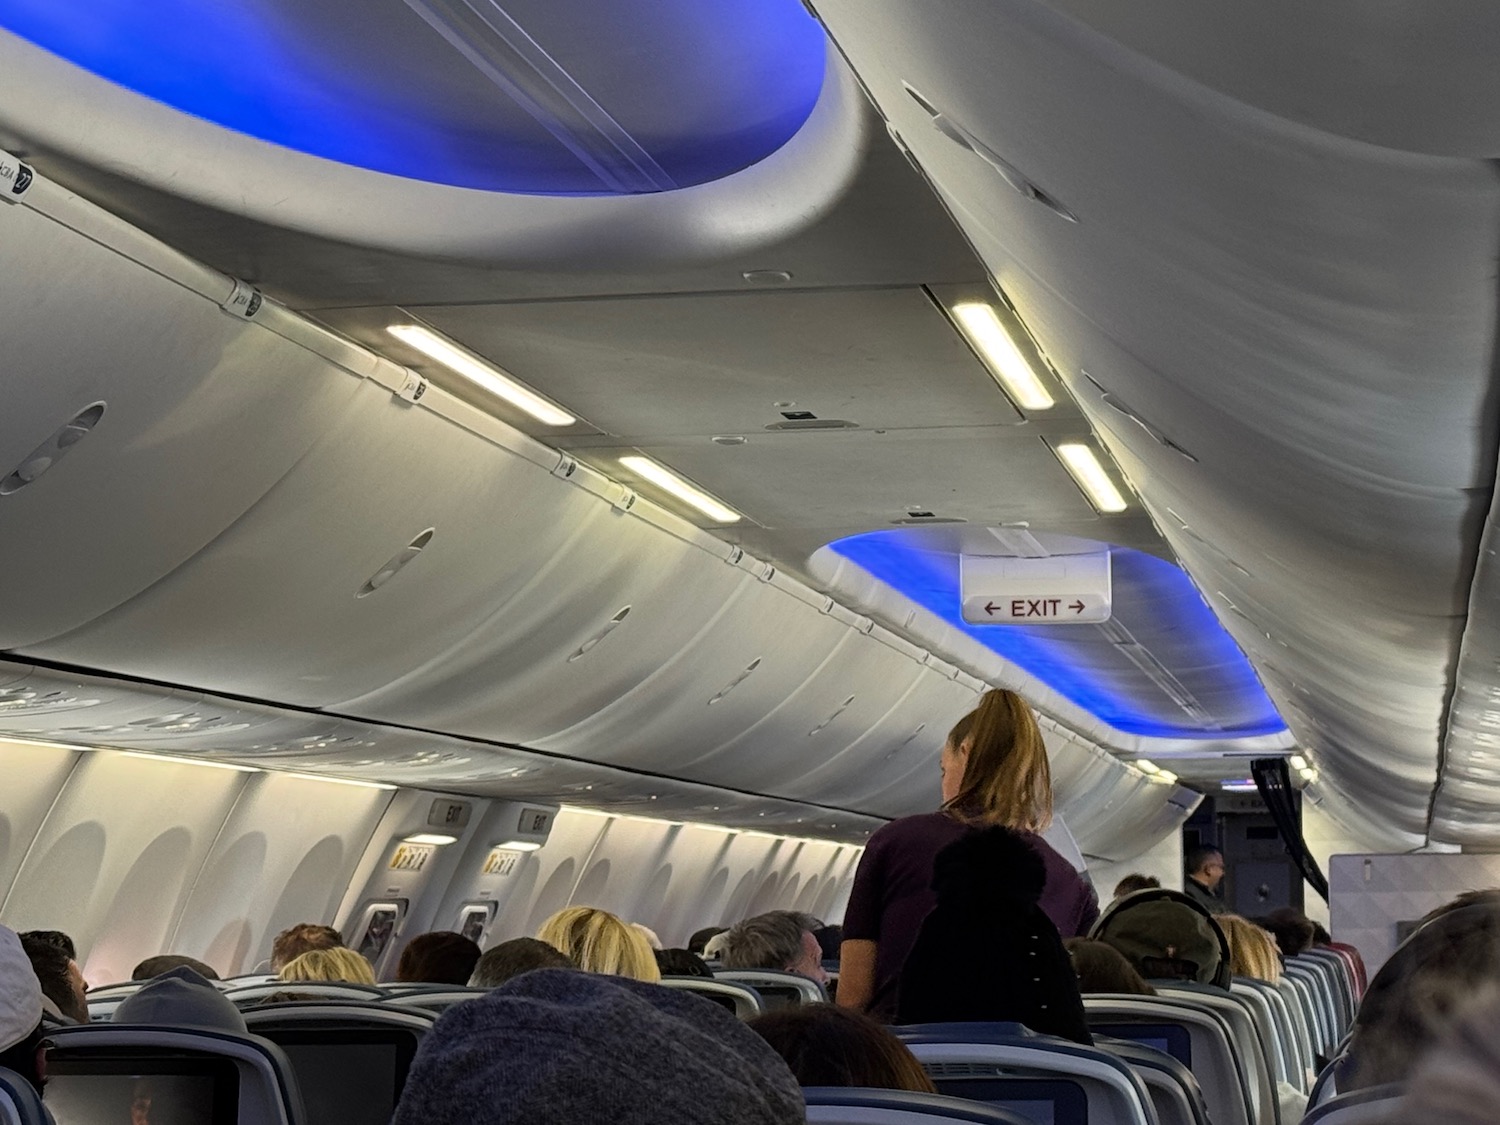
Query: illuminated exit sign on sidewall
[1058,590]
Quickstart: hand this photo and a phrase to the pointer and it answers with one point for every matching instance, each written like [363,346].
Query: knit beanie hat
[20,992]
[181,998]
[564,1045]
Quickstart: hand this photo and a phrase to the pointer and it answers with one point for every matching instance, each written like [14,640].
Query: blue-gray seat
[209,1075]
[1251,1050]
[244,995]
[1175,1093]
[19,1104]
[844,1105]
[776,989]
[1044,1078]
[741,999]
[433,997]
[1372,1106]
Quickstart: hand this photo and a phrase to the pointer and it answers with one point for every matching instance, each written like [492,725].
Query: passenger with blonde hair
[994,773]
[599,942]
[336,964]
[1252,950]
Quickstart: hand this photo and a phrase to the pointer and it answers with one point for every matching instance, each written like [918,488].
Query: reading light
[1309,774]
[518,846]
[1146,766]
[669,481]
[188,761]
[1083,463]
[438,838]
[998,349]
[483,375]
[1298,762]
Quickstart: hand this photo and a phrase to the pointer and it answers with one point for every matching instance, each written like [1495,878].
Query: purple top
[893,893]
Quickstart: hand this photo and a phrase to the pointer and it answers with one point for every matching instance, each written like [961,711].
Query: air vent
[737,681]
[811,423]
[397,561]
[905,742]
[53,450]
[798,415]
[915,516]
[842,708]
[605,630]
[1113,401]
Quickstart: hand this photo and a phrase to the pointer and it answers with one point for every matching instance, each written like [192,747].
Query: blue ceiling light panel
[554,97]
[1163,668]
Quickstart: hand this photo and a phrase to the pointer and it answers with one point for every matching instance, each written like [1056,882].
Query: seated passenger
[1252,950]
[294,942]
[53,937]
[681,963]
[1132,883]
[439,957]
[1419,992]
[512,958]
[22,1038]
[155,966]
[776,940]
[567,1046]
[1291,928]
[181,998]
[1164,935]
[700,939]
[61,979]
[826,1045]
[988,951]
[1102,968]
[329,965]
[598,942]
[713,949]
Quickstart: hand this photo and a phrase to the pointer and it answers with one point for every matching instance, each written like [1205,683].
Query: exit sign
[1057,590]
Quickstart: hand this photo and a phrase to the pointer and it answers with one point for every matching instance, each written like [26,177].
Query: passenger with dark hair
[1292,930]
[1103,968]
[988,952]
[681,963]
[559,1045]
[60,978]
[1205,871]
[700,939]
[293,942]
[511,958]
[1419,992]
[826,1045]
[21,1033]
[778,939]
[1489,896]
[53,937]
[1135,882]
[155,966]
[994,772]
[439,957]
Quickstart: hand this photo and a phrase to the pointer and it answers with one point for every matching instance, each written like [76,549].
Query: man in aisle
[778,939]
[1205,871]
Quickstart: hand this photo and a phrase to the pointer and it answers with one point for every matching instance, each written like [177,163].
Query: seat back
[1048,1080]
[776,989]
[19,1103]
[852,1105]
[1340,980]
[435,998]
[1291,998]
[1318,1025]
[740,999]
[247,994]
[1252,1052]
[1372,1106]
[1278,1051]
[94,1072]
[1298,1059]
[351,1059]
[104,1000]
[1175,1093]
[1181,1029]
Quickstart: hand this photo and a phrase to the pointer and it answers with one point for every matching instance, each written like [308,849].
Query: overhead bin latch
[16,177]
[244,302]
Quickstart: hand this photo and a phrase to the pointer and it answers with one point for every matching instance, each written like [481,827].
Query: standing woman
[994,769]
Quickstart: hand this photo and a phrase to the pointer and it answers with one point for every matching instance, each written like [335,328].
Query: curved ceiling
[1161,667]
[524,96]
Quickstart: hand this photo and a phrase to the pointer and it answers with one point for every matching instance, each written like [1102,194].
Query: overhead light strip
[188,761]
[981,324]
[1083,463]
[483,375]
[669,481]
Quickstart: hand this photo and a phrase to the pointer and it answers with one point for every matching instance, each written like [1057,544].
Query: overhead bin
[201,415]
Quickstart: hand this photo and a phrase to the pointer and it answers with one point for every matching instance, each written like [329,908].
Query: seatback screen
[353,1076]
[94,1091]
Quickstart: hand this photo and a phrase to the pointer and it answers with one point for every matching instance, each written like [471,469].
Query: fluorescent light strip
[188,761]
[483,375]
[1083,463]
[669,481]
[334,780]
[1145,765]
[1166,775]
[438,838]
[982,326]
[1238,786]
[518,846]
